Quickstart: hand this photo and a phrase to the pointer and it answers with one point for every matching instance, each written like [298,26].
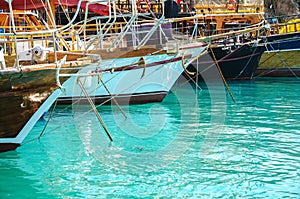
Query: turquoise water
[195,144]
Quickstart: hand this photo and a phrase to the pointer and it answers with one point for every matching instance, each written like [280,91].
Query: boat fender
[2,60]
[38,53]
[231,5]
[139,6]
[172,47]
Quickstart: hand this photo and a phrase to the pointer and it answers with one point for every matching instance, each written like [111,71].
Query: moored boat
[140,62]
[26,94]
[232,31]
[133,80]
[236,62]
[281,57]
[28,82]
[32,80]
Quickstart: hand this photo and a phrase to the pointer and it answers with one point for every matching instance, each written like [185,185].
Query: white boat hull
[133,84]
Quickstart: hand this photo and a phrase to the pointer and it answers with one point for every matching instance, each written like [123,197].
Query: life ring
[139,6]
[231,5]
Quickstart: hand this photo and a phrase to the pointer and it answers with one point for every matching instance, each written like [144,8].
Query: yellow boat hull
[279,63]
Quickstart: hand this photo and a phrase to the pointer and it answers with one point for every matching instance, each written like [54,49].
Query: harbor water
[197,143]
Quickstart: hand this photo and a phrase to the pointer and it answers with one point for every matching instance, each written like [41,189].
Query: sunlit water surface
[192,145]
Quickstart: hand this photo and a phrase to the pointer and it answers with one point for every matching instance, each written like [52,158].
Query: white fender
[2,60]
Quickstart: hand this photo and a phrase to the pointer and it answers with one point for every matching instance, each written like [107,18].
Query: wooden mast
[51,17]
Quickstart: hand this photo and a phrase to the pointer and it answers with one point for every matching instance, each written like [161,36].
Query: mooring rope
[220,72]
[188,73]
[94,109]
[114,99]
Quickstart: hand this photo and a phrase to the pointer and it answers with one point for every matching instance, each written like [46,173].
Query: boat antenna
[237,6]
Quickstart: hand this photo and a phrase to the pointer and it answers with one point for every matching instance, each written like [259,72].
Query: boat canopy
[99,8]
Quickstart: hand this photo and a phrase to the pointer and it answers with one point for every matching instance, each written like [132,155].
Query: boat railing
[124,31]
[63,41]
[157,6]
[197,27]
[134,32]
[17,31]
[139,34]
[290,26]
[223,9]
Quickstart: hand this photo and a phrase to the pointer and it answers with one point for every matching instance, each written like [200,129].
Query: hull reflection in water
[161,131]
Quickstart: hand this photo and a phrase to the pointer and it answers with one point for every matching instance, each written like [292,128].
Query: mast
[14,31]
[51,17]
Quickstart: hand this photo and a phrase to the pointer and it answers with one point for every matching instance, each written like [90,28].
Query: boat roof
[95,6]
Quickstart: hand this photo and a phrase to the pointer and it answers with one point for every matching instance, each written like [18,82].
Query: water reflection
[256,153]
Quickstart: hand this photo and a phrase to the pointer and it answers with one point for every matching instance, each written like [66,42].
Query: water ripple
[248,149]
